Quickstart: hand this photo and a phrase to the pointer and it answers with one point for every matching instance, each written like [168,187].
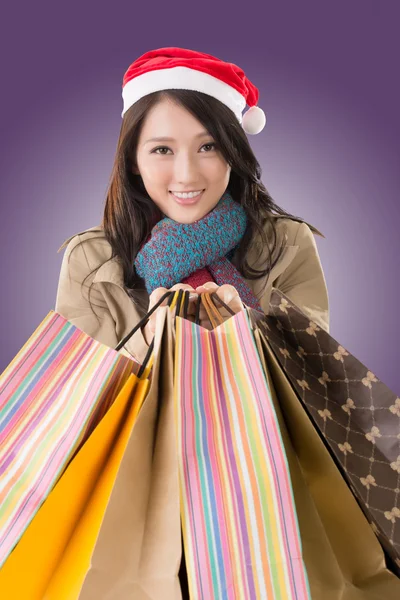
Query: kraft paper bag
[138,550]
[343,557]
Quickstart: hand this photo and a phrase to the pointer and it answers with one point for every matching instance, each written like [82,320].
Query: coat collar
[111,270]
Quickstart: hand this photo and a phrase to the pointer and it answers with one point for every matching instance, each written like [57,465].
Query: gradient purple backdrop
[328,81]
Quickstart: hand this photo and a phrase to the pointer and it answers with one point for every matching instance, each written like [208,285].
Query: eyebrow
[170,139]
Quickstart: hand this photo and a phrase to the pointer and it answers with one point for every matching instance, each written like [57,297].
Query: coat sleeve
[303,281]
[72,300]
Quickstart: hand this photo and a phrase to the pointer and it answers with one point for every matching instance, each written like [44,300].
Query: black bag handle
[141,323]
[185,302]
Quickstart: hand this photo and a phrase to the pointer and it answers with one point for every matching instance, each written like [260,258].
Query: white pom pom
[253,121]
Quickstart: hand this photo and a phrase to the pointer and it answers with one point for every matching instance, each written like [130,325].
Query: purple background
[328,80]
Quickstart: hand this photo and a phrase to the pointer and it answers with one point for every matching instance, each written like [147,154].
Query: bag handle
[181,298]
[215,296]
[212,312]
[208,300]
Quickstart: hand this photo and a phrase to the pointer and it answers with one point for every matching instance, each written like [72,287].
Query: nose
[185,169]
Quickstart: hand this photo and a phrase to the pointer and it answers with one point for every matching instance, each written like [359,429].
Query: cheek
[219,169]
[155,174]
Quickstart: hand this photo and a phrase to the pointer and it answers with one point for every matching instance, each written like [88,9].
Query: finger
[227,292]
[230,296]
[156,295]
[191,308]
[209,286]
[183,286]
[233,302]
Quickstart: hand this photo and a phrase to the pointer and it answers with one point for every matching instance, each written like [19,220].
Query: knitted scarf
[195,253]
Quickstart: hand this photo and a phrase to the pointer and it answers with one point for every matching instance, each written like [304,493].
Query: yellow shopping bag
[53,556]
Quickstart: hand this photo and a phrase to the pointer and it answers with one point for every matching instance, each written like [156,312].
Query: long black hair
[130,213]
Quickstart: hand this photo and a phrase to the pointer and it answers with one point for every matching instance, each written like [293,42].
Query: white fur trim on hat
[186,79]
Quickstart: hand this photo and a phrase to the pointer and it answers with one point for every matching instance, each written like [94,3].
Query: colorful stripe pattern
[52,395]
[240,528]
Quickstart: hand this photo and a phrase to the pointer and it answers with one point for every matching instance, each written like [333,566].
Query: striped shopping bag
[55,551]
[239,522]
[52,395]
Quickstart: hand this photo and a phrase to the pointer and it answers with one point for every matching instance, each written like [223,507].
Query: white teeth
[189,195]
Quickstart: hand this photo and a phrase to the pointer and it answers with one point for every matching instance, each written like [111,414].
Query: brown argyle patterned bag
[356,415]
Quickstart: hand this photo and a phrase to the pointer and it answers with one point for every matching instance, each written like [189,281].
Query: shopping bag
[342,554]
[239,520]
[138,548]
[54,552]
[356,414]
[52,395]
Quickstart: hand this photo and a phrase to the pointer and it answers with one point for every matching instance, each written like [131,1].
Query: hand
[149,329]
[228,294]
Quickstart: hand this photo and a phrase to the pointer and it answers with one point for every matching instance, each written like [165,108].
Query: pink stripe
[47,383]
[285,506]
[59,456]
[235,404]
[85,402]
[191,472]
[25,359]
[212,425]
[235,526]
[42,395]
[280,514]
[76,419]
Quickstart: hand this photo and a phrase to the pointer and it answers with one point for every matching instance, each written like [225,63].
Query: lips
[187,200]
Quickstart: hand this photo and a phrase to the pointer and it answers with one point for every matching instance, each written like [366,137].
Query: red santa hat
[184,69]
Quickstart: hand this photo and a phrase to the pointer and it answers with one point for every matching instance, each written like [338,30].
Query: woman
[152,238]
[225,239]
[113,274]
[183,134]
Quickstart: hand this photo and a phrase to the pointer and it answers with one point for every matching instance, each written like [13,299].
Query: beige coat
[298,274]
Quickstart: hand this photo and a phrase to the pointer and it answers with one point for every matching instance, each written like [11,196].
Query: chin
[188,215]
[194,217]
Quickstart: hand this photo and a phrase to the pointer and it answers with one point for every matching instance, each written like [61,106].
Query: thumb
[156,295]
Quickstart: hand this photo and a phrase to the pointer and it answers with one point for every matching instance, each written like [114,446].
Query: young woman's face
[186,162]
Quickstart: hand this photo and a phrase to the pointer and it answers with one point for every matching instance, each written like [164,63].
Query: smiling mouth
[198,192]
[189,200]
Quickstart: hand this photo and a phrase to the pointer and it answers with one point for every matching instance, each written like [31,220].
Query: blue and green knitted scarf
[195,253]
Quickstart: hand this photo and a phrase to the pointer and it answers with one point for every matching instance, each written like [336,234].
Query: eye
[213,144]
[159,148]
[210,144]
